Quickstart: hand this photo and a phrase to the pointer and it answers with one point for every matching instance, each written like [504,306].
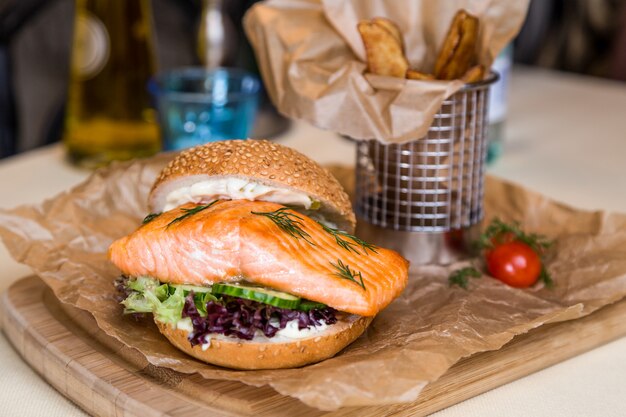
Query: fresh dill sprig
[288,222]
[340,236]
[150,217]
[190,212]
[499,230]
[544,276]
[344,271]
[461,276]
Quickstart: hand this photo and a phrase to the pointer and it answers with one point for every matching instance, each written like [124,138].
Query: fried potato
[416,75]
[384,46]
[450,42]
[391,27]
[464,54]
[474,74]
[458,51]
[384,51]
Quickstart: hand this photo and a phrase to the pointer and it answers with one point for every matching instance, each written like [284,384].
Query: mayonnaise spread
[185,324]
[233,188]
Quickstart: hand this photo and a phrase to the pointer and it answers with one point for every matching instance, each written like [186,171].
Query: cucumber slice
[195,288]
[315,205]
[262,295]
[307,305]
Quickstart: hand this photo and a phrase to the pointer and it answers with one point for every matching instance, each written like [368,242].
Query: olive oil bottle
[108,114]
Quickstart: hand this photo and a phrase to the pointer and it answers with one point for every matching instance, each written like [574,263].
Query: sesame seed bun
[263,162]
[254,354]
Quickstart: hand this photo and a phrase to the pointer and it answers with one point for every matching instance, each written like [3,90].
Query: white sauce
[207,343]
[291,331]
[232,188]
[185,324]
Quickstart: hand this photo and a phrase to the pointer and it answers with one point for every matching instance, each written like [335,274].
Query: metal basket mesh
[434,184]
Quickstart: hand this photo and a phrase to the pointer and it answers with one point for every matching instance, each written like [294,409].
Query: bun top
[261,162]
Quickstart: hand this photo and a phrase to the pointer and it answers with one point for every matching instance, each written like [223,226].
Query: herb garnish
[150,217]
[190,212]
[461,276]
[344,271]
[545,277]
[339,236]
[497,231]
[288,222]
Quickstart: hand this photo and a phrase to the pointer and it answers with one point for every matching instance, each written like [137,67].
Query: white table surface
[565,137]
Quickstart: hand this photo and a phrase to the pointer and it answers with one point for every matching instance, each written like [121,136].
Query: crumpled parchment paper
[312,60]
[411,343]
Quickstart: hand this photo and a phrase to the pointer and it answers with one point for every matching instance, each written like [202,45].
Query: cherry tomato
[514,263]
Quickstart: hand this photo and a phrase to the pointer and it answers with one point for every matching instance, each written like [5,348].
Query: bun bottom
[251,354]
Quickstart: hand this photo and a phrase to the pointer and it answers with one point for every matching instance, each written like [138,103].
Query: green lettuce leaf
[169,311]
[165,301]
[137,303]
[162,292]
[144,297]
[143,284]
[201,300]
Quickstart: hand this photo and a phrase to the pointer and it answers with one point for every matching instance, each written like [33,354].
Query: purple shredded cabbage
[121,286]
[242,318]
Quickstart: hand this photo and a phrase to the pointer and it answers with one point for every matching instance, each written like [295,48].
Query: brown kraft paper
[312,60]
[411,343]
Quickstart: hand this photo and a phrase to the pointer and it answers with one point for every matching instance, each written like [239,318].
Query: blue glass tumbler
[197,105]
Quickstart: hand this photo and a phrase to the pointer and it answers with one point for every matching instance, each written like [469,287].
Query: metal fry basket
[425,198]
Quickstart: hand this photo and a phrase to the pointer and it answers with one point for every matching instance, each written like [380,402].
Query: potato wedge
[416,75]
[450,42]
[465,53]
[391,27]
[455,59]
[384,52]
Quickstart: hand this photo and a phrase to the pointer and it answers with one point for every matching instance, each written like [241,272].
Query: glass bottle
[498,96]
[108,115]
[217,39]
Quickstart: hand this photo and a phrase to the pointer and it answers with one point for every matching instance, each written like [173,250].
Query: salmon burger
[248,259]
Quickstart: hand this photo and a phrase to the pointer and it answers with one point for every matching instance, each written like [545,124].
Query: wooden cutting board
[105,378]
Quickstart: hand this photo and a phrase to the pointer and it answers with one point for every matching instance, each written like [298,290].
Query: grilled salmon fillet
[237,240]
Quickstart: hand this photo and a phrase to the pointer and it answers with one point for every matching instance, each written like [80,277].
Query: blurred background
[580,36]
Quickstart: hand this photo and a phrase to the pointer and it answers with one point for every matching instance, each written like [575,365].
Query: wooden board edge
[525,354]
[600,327]
[75,377]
